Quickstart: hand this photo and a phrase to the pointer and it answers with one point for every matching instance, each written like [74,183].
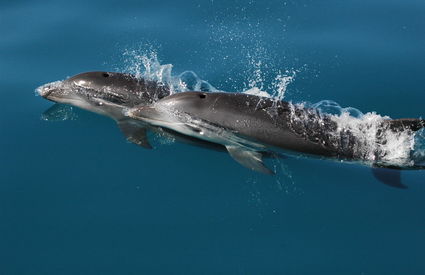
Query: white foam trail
[375,142]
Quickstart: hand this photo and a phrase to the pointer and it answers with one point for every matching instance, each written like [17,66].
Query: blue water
[76,198]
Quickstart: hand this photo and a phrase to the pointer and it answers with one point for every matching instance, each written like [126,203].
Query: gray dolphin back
[263,119]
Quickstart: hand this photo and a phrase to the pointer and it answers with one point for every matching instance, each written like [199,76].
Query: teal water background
[76,198]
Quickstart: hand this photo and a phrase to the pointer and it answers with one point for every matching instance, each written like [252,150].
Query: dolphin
[108,93]
[248,125]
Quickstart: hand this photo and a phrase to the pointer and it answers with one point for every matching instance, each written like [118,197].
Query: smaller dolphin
[247,125]
[108,93]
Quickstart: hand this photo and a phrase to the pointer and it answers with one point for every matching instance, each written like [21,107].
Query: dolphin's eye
[105,75]
[202,95]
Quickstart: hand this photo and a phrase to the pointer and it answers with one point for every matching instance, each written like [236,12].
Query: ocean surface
[77,198]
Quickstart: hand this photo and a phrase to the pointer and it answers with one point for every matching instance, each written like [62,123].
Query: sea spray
[418,153]
[147,65]
[281,82]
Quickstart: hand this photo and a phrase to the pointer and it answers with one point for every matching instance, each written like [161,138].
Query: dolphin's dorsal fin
[248,158]
[134,133]
[402,124]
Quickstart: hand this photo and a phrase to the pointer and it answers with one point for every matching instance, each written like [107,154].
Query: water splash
[332,107]
[260,77]
[259,80]
[281,82]
[418,153]
[190,81]
[257,92]
[145,64]
[363,135]
[375,142]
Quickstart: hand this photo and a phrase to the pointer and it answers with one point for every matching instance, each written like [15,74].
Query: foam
[375,142]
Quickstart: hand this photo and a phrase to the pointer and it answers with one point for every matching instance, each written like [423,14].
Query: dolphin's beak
[44,90]
[48,88]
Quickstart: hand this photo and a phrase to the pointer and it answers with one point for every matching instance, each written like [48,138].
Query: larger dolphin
[108,93]
[247,124]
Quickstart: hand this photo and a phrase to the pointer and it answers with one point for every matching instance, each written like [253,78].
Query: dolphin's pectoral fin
[390,177]
[250,159]
[135,134]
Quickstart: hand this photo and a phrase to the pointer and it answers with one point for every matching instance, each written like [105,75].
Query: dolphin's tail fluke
[402,124]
